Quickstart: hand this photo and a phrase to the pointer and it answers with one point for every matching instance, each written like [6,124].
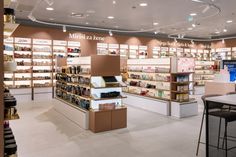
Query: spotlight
[31,17]
[175,40]
[223,41]
[64,28]
[192,41]
[193,25]
[110,33]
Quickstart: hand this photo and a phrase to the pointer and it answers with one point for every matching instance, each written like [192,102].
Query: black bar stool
[223,113]
[211,107]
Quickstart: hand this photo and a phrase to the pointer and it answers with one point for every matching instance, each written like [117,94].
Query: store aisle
[42,131]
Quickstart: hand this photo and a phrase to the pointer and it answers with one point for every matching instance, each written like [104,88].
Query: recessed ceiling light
[155,32]
[199,1]
[110,17]
[78,15]
[193,25]
[229,21]
[225,30]
[90,11]
[190,28]
[155,23]
[86,23]
[51,19]
[143,4]
[217,32]
[50,8]
[193,14]
[113,2]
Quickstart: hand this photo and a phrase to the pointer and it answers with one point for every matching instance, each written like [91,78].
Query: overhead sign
[82,36]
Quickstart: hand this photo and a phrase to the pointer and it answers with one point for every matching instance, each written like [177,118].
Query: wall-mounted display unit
[35,59]
[172,51]
[73,49]
[124,50]
[233,52]
[204,71]
[133,51]
[164,52]
[221,54]
[102,49]
[180,52]
[142,52]
[113,49]
[42,63]
[156,51]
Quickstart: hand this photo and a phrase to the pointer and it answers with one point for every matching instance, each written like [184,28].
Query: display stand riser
[149,104]
[79,117]
[182,110]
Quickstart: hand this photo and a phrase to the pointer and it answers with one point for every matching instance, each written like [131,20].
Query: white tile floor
[42,132]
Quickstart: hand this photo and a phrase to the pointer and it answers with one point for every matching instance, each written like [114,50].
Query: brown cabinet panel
[105,120]
[119,118]
[100,121]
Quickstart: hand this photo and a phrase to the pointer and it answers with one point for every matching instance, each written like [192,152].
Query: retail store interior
[143,78]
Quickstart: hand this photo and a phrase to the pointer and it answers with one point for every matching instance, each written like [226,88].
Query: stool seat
[227,115]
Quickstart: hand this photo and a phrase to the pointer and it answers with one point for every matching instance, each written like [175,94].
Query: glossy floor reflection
[43,132]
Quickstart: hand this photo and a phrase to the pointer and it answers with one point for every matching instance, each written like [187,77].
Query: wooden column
[1,80]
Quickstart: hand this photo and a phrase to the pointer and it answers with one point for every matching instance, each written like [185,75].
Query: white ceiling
[172,15]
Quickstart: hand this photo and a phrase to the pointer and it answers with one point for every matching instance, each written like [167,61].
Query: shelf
[156,81]
[21,58]
[203,74]
[108,87]
[181,92]
[148,72]
[9,28]
[42,52]
[22,72]
[81,97]
[22,51]
[42,58]
[41,79]
[153,97]
[182,100]
[15,117]
[151,88]
[185,82]
[75,84]
[42,72]
[22,80]
[42,86]
[182,73]
[83,75]
[70,104]
[101,99]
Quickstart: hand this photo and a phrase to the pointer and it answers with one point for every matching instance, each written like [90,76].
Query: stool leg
[200,133]
[226,145]
[219,134]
